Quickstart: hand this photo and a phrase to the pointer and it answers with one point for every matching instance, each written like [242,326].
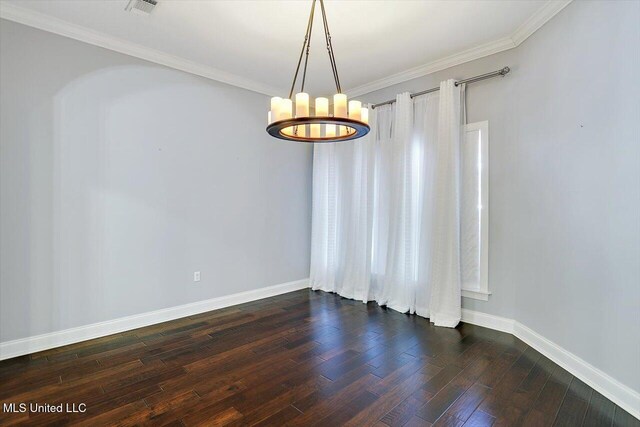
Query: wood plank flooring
[303,359]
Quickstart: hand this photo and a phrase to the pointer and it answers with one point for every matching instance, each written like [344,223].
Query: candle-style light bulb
[291,130]
[322,107]
[340,105]
[355,108]
[302,104]
[330,131]
[276,102]
[285,109]
[322,110]
[364,115]
[302,110]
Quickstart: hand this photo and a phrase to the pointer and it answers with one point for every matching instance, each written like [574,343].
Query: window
[474,218]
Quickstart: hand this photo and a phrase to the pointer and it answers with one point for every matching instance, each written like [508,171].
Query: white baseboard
[490,321]
[42,342]
[620,394]
[623,396]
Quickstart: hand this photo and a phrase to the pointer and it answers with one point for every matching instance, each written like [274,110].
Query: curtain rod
[502,72]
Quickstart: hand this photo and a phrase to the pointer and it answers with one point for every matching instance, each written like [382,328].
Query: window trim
[483,292]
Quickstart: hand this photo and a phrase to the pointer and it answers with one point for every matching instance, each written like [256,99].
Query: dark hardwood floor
[304,358]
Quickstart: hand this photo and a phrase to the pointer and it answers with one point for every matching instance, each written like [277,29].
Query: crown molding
[58,26]
[538,19]
[434,66]
[530,26]
[77,32]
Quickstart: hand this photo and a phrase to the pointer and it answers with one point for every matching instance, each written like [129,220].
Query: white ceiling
[255,44]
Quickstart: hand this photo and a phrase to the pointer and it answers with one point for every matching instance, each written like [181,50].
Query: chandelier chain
[306,45]
[332,59]
[308,37]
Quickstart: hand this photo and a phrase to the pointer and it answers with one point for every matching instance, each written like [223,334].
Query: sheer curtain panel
[386,209]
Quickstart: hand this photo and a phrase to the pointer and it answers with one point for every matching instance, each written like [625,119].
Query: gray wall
[120,178]
[565,181]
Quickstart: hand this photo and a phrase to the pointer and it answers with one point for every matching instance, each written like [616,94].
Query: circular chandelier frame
[353,129]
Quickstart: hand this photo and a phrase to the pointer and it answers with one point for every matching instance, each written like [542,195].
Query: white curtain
[386,208]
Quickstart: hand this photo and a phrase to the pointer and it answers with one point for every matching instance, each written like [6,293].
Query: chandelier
[346,121]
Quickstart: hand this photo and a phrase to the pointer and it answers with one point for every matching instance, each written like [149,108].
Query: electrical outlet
[196,276]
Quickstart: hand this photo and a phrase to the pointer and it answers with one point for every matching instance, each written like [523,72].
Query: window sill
[479,295]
